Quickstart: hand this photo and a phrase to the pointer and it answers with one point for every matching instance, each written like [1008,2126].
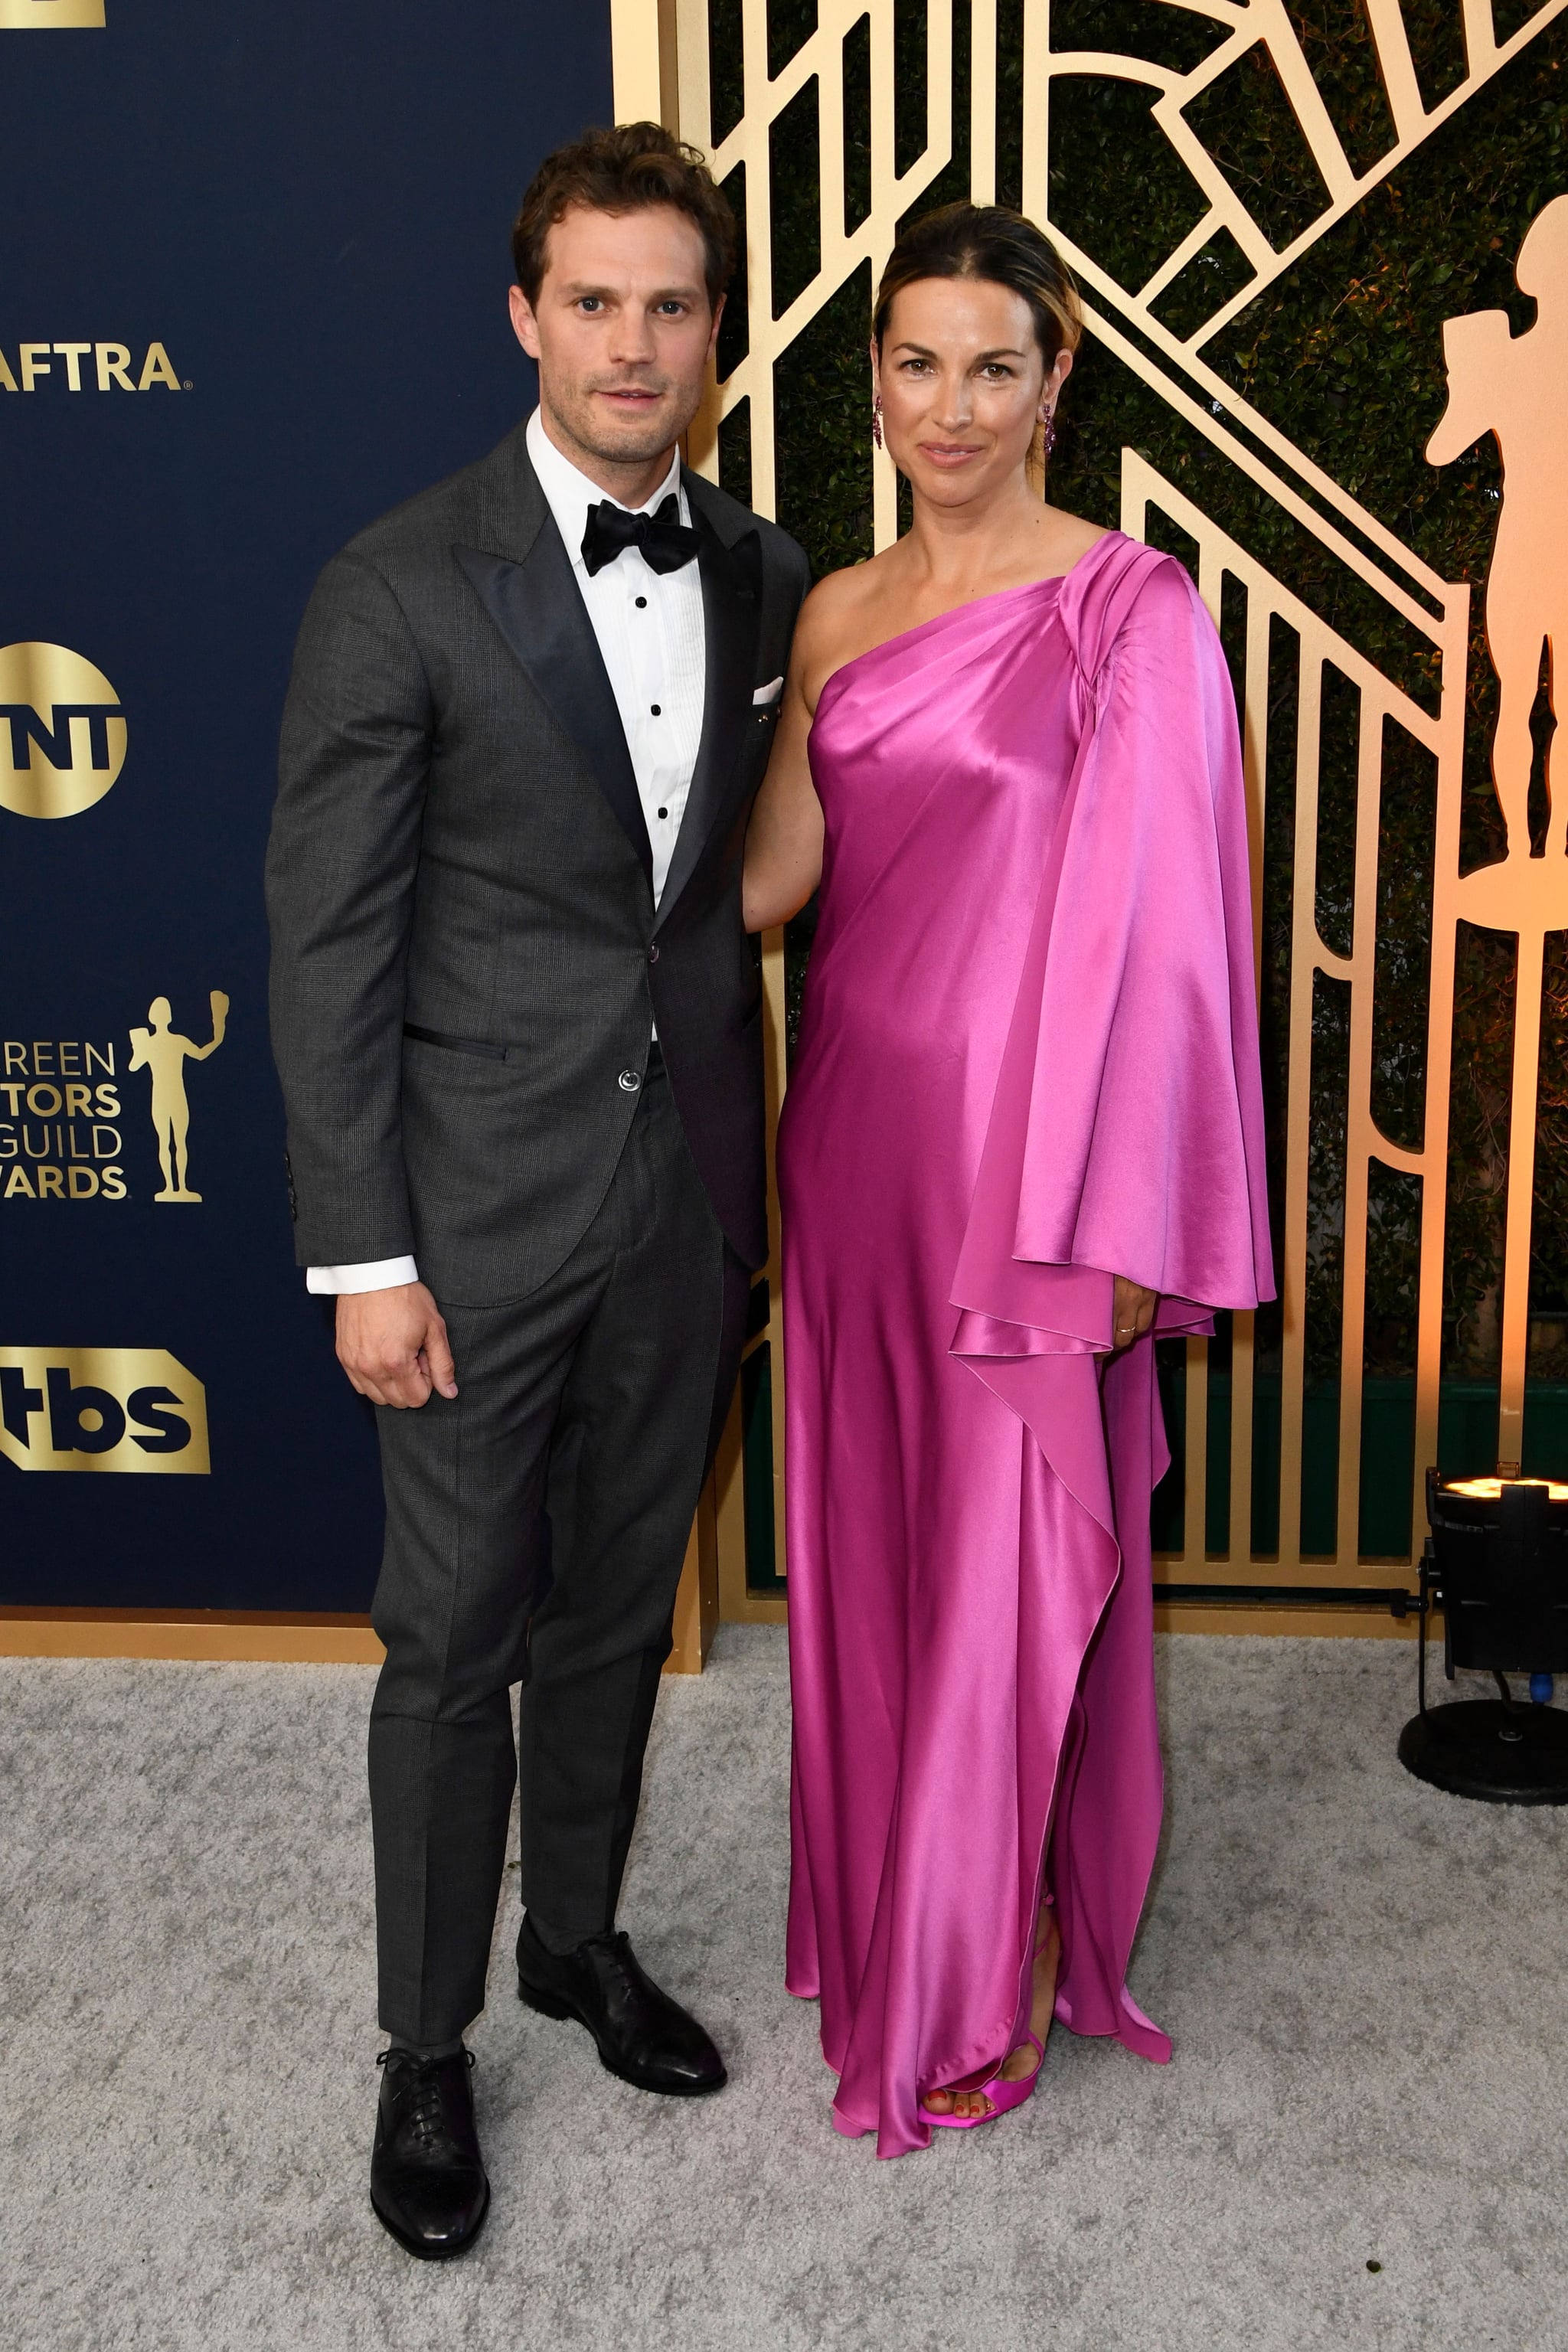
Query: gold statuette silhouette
[164,1052]
[1513,386]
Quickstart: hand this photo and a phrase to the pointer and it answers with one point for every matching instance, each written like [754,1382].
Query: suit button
[629,1082]
[653,952]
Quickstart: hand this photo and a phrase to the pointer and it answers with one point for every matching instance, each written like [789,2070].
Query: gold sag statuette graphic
[62,731]
[117,1408]
[1512,388]
[1516,386]
[163,1050]
[51,16]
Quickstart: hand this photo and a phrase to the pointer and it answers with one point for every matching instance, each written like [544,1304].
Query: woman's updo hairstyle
[1000,246]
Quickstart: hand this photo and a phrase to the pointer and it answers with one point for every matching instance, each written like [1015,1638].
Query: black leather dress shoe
[427,2178]
[642,2036]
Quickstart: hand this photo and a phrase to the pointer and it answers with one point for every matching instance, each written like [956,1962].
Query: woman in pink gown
[1023,1134]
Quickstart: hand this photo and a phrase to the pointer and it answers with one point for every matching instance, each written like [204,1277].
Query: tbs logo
[126,1409]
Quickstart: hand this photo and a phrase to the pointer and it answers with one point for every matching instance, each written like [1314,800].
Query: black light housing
[1496,1561]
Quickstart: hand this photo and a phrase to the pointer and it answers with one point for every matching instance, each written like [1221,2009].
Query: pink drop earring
[1049,421]
[876,422]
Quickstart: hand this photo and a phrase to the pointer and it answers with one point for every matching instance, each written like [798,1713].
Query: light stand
[1497,1560]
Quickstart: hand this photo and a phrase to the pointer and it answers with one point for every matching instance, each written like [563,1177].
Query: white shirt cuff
[384,1274]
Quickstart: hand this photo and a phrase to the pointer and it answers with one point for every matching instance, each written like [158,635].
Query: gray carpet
[1363,1978]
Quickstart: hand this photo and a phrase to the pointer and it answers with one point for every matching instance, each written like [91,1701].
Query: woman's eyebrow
[1001,351]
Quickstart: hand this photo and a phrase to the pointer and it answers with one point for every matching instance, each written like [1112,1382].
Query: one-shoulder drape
[1027,1063]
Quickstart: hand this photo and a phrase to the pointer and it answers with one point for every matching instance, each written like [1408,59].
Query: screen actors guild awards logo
[57,1097]
[51,16]
[62,731]
[162,1051]
[115,1409]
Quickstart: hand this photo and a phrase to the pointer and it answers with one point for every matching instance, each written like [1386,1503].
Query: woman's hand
[1131,1312]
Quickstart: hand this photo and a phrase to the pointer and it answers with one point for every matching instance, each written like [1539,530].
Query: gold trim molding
[212,1635]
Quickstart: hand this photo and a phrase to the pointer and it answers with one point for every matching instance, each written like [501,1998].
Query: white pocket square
[769,693]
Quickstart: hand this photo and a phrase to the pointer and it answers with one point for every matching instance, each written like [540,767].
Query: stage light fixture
[1496,1561]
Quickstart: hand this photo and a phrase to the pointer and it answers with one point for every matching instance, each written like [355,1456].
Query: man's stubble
[627,443]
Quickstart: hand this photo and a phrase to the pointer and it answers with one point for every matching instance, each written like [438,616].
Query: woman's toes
[956,2103]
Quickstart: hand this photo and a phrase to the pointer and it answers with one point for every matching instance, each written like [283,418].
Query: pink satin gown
[1029,1063]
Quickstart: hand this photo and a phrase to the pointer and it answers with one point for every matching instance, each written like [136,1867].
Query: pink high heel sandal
[1001,2097]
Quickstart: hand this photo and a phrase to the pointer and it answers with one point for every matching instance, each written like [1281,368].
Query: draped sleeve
[1126,1135]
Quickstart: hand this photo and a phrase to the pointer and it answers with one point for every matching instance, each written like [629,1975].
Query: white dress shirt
[650,627]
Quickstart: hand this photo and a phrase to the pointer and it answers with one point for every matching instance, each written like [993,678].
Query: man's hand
[393,1345]
[1131,1312]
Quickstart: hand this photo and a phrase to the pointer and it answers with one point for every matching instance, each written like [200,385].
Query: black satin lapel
[732,581]
[536,606]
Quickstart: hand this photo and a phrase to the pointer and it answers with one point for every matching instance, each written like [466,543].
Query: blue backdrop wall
[254,293]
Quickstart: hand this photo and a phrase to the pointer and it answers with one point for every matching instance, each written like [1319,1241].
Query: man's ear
[524,325]
[713,331]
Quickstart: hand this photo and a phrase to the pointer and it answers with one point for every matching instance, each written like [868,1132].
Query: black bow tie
[664,539]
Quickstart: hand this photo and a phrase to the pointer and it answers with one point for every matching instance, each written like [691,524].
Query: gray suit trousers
[599,1399]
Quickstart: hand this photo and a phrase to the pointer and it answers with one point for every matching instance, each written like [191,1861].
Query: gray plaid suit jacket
[466,955]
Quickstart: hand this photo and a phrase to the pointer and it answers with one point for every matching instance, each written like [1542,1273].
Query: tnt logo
[51,16]
[125,1409]
[62,731]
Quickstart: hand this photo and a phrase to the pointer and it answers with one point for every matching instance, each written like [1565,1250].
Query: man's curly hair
[624,171]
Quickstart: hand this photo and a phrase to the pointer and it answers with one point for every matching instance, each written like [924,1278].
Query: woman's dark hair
[624,169]
[986,241]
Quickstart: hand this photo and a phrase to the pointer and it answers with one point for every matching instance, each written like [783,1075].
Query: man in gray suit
[518,1024]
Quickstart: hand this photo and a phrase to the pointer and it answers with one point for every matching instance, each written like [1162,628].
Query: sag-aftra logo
[51,16]
[82,367]
[62,731]
[120,1409]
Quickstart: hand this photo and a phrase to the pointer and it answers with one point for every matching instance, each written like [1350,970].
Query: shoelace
[419,2096]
